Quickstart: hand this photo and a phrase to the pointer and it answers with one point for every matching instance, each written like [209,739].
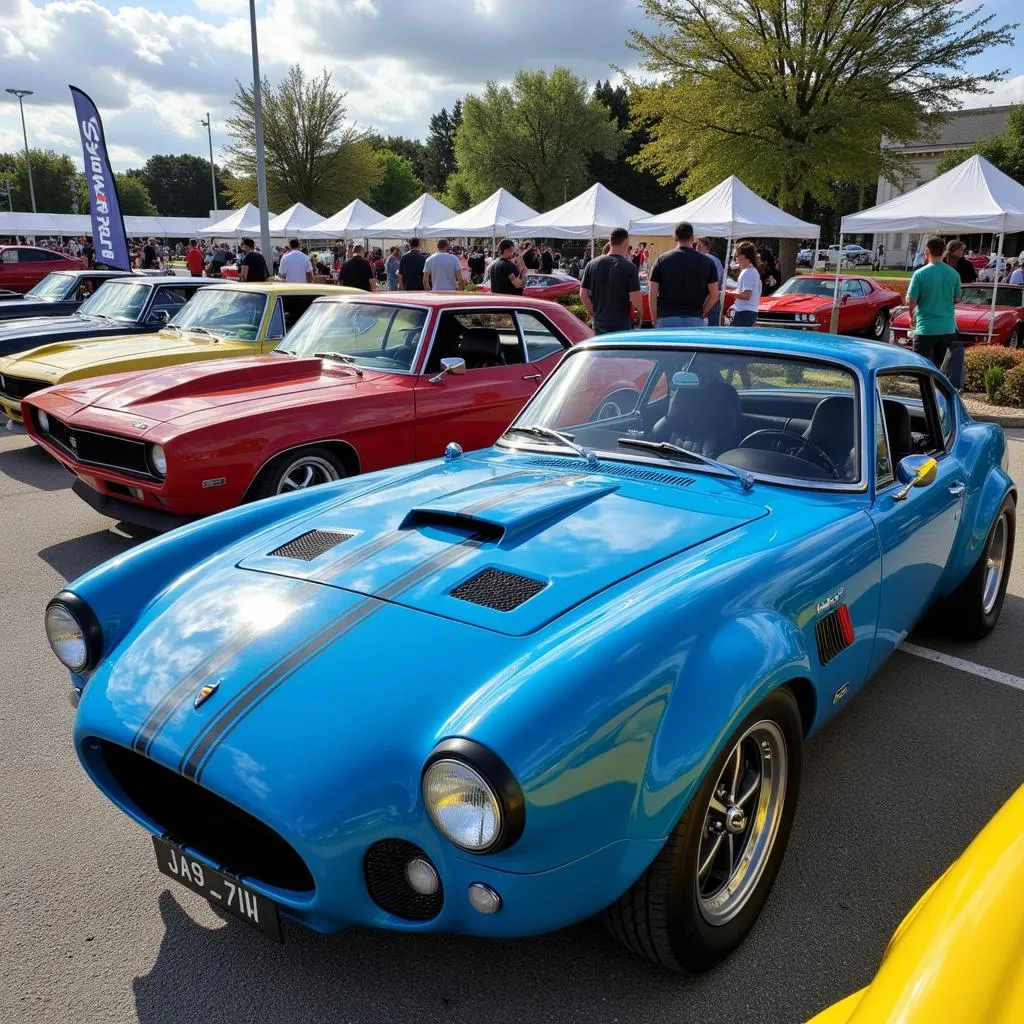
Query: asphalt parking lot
[89,931]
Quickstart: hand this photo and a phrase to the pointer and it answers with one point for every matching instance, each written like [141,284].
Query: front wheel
[703,892]
[1016,339]
[297,470]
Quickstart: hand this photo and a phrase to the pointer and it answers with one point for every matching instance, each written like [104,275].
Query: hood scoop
[498,589]
[311,544]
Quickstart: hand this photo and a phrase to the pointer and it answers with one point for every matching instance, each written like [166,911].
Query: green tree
[53,178]
[134,196]
[1005,150]
[412,149]
[535,138]
[794,96]
[179,184]
[399,185]
[458,195]
[439,159]
[312,155]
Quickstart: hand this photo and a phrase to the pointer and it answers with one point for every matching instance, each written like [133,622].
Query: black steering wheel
[789,444]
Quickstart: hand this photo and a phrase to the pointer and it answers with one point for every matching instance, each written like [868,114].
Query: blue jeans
[682,321]
[713,320]
[744,317]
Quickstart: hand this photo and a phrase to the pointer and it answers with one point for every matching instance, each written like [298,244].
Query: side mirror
[451,364]
[159,316]
[845,299]
[915,471]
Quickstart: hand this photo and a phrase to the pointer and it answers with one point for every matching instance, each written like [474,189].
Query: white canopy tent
[68,225]
[350,222]
[974,196]
[245,221]
[488,219]
[293,220]
[592,214]
[412,220]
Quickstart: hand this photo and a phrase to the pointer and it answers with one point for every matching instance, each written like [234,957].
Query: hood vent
[312,544]
[495,588]
[611,469]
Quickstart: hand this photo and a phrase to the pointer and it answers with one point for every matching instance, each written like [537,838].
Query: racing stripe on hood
[198,754]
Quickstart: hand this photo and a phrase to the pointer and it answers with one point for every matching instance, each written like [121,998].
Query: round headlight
[158,460]
[67,637]
[44,421]
[462,804]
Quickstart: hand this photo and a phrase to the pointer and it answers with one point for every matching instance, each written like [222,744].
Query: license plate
[220,889]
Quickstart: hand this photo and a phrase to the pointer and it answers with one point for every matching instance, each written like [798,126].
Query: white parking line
[1017,682]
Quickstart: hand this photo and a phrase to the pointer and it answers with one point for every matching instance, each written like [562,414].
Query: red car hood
[795,303]
[165,395]
[969,319]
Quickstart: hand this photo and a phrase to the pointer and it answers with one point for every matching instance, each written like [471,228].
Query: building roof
[963,129]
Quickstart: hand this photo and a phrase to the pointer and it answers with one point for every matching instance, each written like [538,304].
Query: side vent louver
[495,588]
[310,545]
[834,633]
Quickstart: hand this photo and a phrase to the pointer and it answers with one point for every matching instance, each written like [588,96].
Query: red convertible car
[546,286]
[804,302]
[364,384]
[972,317]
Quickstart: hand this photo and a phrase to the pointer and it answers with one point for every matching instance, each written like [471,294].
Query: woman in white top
[748,286]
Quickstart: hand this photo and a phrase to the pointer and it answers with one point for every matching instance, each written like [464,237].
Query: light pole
[213,173]
[21,94]
[261,169]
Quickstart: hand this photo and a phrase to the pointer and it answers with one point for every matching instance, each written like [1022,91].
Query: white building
[957,135]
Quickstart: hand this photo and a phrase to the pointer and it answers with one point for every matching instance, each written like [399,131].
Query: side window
[484,340]
[910,419]
[292,306]
[883,456]
[541,340]
[275,332]
[9,256]
[944,406]
[168,300]
[850,287]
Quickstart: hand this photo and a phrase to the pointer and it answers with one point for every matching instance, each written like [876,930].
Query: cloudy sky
[154,67]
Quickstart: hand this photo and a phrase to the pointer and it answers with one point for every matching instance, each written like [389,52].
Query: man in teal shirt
[934,291]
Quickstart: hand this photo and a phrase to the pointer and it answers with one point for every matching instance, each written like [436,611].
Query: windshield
[119,301]
[793,419]
[978,295]
[374,335]
[53,287]
[228,312]
[807,286]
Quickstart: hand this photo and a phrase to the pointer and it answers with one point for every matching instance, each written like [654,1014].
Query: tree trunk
[788,248]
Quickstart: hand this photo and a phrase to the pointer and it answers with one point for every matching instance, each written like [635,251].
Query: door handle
[532,376]
[957,488]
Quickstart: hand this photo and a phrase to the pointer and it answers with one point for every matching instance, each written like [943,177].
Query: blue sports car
[502,691]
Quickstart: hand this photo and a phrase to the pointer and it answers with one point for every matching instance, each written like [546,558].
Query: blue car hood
[504,548]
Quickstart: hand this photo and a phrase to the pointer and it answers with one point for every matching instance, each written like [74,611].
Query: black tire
[966,613]
[660,916]
[272,477]
[618,403]
[1016,339]
[879,326]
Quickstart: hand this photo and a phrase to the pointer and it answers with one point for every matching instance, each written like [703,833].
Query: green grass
[864,272]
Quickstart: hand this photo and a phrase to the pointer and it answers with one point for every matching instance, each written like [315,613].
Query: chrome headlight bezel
[496,780]
[88,626]
[158,461]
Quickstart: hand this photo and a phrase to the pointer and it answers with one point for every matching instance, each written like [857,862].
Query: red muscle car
[804,303]
[545,286]
[973,312]
[361,384]
[23,266]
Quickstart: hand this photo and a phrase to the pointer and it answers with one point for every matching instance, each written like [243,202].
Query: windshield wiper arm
[282,352]
[340,357]
[203,330]
[665,448]
[556,435]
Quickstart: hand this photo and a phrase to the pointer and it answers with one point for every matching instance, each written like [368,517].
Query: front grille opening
[20,387]
[384,867]
[311,544]
[498,589]
[98,449]
[194,816]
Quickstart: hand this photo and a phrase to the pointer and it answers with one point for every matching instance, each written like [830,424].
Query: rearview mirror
[450,364]
[915,471]
[685,380]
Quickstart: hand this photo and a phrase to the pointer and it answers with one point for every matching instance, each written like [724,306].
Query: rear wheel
[297,470]
[880,325]
[703,892]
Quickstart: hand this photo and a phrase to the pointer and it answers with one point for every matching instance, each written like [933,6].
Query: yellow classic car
[958,956]
[219,322]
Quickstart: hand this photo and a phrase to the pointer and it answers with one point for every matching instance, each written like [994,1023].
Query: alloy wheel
[995,562]
[308,471]
[741,822]
[878,325]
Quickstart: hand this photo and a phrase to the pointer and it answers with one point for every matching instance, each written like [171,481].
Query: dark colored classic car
[804,303]
[24,266]
[58,294]
[502,691]
[974,315]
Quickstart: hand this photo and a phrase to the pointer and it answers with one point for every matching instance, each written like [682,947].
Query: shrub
[978,360]
[579,311]
[994,382]
[1013,386]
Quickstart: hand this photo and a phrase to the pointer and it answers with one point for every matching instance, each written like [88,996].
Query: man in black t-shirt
[357,272]
[611,287]
[507,273]
[683,284]
[547,260]
[254,266]
[150,257]
[410,268]
[477,265]
[531,258]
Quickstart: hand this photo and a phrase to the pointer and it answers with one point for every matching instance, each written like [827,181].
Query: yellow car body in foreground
[958,956]
[220,322]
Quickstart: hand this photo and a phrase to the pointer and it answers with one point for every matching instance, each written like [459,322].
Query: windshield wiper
[203,330]
[665,448]
[556,435]
[340,357]
[282,352]
[171,327]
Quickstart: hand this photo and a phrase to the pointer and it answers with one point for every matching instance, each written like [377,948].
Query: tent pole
[834,325]
[725,277]
[995,285]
